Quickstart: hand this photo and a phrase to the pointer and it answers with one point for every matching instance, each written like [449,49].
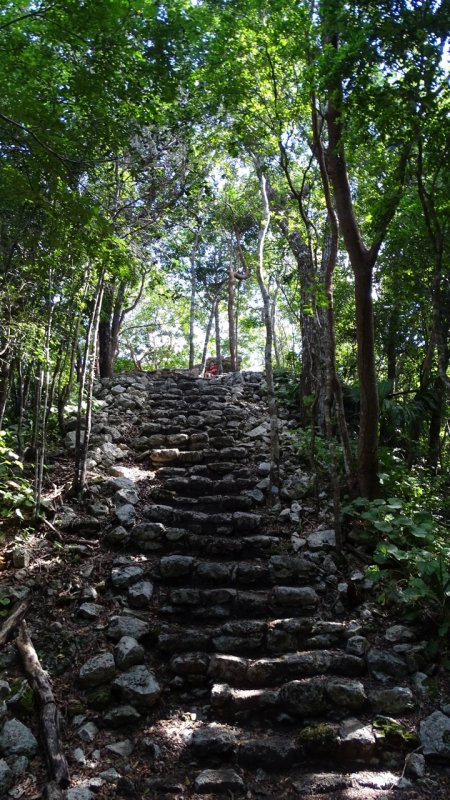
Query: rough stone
[97,670]
[357,740]
[17,739]
[138,685]
[127,626]
[120,716]
[213,741]
[89,611]
[176,566]
[117,535]
[128,652]
[222,781]
[415,765]
[346,694]
[87,732]
[357,645]
[122,577]
[270,754]
[399,633]
[123,748]
[322,540]
[303,697]
[385,663]
[80,793]
[6,777]
[434,734]
[140,594]
[397,700]
[303,596]
[126,515]
[126,496]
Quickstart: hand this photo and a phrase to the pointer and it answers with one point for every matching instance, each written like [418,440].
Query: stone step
[250,637]
[307,698]
[240,522]
[198,485]
[173,455]
[224,603]
[272,571]
[352,741]
[156,537]
[264,672]
[219,502]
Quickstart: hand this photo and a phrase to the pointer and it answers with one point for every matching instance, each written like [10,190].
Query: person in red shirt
[212,370]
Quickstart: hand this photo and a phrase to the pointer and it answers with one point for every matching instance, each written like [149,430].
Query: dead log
[13,620]
[49,713]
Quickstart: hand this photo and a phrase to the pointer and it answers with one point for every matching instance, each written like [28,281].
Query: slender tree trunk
[193,270]
[208,336]
[218,341]
[271,398]
[89,393]
[231,320]
[92,328]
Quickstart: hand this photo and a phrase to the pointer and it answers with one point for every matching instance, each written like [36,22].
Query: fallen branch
[13,620]
[49,712]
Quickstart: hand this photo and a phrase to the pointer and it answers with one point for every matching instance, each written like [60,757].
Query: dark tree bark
[362,260]
[112,316]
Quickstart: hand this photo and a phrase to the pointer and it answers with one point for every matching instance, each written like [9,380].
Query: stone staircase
[237,625]
[202,641]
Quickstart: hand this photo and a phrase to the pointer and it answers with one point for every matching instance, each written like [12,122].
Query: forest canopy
[253,183]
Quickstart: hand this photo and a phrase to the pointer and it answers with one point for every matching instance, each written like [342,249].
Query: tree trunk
[217,336]
[231,321]
[271,398]
[208,336]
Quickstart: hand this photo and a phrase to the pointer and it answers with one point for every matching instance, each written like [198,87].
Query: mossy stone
[318,739]
[393,735]
[98,697]
[75,707]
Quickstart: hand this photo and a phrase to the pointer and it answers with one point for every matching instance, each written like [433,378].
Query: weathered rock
[6,777]
[89,611]
[98,670]
[288,596]
[271,753]
[415,765]
[88,732]
[140,594]
[213,741]
[434,734]
[122,577]
[346,694]
[221,781]
[357,740]
[127,626]
[125,496]
[176,566]
[138,685]
[382,662]
[397,700]
[118,536]
[399,633]
[126,515]
[119,716]
[357,645]
[322,540]
[303,698]
[128,652]
[17,739]
[123,748]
